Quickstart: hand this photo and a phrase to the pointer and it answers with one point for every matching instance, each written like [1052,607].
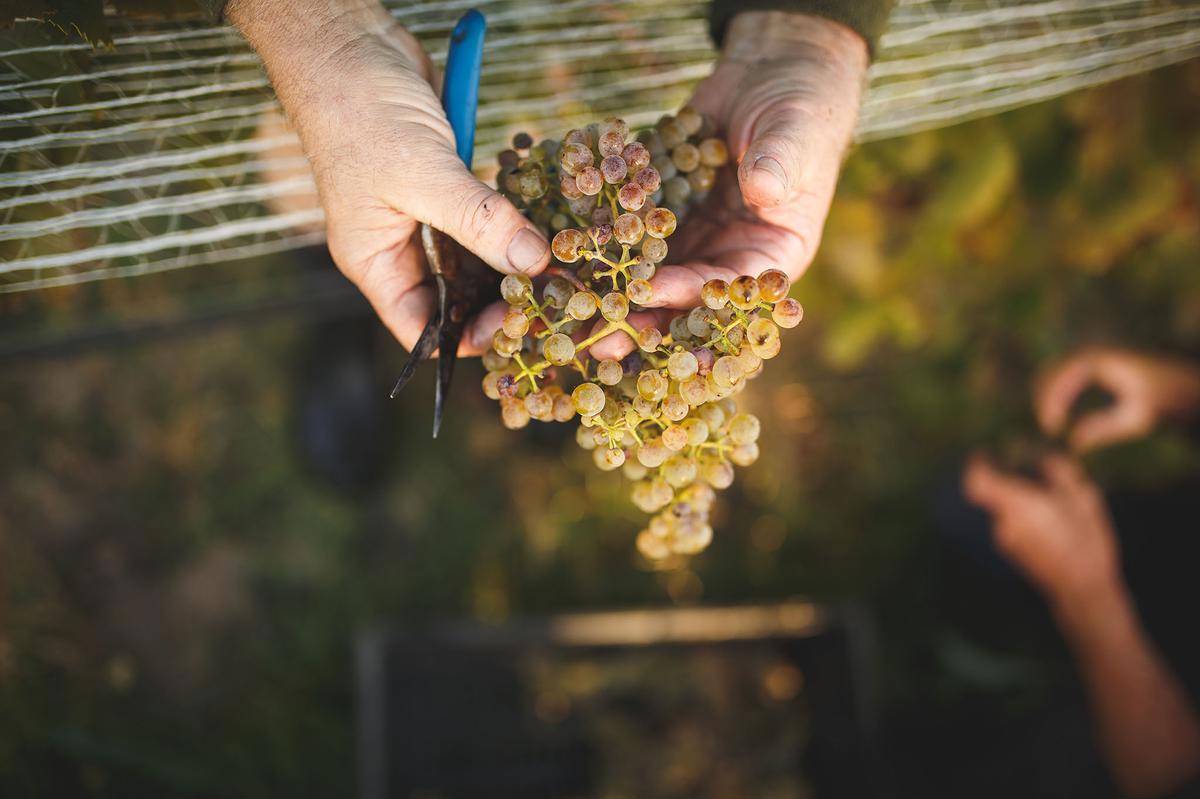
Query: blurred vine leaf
[86,19]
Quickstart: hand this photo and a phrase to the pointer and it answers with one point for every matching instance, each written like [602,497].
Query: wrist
[768,35]
[1083,609]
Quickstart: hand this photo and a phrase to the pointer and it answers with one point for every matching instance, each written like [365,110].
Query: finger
[993,490]
[1062,472]
[789,152]
[406,314]
[455,202]
[477,337]
[679,286]
[617,347]
[1058,389]
[1122,421]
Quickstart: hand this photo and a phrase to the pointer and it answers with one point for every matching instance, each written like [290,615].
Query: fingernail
[773,170]
[526,250]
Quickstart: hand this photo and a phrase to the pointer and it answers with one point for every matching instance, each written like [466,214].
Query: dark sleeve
[866,17]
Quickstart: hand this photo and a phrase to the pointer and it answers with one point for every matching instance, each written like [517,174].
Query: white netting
[167,150]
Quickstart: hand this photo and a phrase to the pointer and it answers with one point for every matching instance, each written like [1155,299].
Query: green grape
[513,413]
[600,234]
[533,185]
[614,169]
[588,398]
[694,391]
[515,324]
[633,469]
[582,306]
[690,120]
[569,187]
[704,360]
[692,538]
[564,408]
[573,157]
[652,385]
[712,415]
[559,222]
[631,196]
[682,365]
[539,405]
[678,329]
[558,292]
[744,292]
[662,491]
[715,293]
[744,454]
[650,139]
[584,205]
[653,453]
[636,156]
[727,371]
[639,291]
[608,458]
[674,407]
[676,191]
[615,125]
[686,157]
[744,428]
[628,229]
[699,495]
[566,246]
[773,285]
[490,388]
[644,408]
[494,361]
[522,141]
[671,132]
[589,180]
[751,362]
[649,339]
[611,413]
[679,470]
[787,313]
[651,547]
[763,336]
[700,322]
[609,372]
[713,153]
[577,136]
[661,223]
[649,179]
[643,270]
[559,349]
[505,345]
[701,179]
[665,167]
[661,526]
[654,251]
[508,159]
[515,289]
[697,430]
[674,438]
[718,474]
[614,307]
[611,144]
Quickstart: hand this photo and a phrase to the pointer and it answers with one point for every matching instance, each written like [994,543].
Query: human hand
[360,92]
[785,96]
[1146,390]
[1057,532]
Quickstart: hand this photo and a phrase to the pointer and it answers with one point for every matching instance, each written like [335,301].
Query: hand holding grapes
[358,88]
[783,100]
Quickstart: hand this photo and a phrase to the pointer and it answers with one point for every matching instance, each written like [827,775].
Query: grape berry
[665,415]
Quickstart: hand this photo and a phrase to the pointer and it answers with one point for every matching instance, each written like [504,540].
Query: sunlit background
[206,500]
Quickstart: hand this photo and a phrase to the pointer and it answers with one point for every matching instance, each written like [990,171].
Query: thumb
[1121,421]
[479,218]
[776,164]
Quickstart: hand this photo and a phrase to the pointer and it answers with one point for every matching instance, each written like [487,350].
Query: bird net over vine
[167,150]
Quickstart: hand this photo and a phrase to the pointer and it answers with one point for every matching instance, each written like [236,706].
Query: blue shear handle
[460,90]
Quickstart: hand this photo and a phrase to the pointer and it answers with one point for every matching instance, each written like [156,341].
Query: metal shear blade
[445,328]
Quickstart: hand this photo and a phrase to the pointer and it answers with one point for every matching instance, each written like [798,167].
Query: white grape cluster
[665,414]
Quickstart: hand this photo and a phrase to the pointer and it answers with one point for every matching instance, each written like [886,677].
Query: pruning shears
[460,276]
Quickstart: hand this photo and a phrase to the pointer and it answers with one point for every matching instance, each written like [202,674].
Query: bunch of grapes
[665,414]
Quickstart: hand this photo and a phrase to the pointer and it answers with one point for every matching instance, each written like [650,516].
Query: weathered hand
[1057,532]
[785,95]
[359,90]
[1146,390]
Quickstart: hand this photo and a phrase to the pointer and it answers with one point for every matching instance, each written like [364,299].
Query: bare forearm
[1146,724]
